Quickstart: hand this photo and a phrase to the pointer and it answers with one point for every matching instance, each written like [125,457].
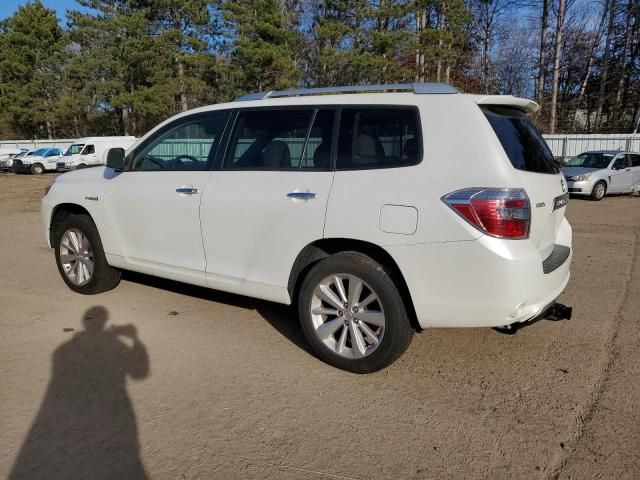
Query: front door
[153,207]
[88,155]
[268,200]
[635,169]
[621,175]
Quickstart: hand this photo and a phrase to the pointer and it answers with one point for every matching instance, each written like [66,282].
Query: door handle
[302,195]
[187,190]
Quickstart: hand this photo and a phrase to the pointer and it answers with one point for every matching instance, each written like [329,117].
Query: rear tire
[37,169]
[342,332]
[80,257]
[599,191]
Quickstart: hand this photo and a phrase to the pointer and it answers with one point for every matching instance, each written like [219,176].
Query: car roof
[606,152]
[388,94]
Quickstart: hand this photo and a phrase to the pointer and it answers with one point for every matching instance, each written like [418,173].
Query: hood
[573,171]
[85,174]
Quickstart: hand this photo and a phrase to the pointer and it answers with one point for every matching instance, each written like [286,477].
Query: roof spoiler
[526,105]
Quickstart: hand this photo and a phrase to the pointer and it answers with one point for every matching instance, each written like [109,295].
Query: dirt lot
[221,386]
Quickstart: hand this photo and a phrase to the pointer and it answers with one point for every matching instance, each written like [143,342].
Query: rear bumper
[482,283]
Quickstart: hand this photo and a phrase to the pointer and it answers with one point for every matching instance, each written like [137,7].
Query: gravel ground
[183,382]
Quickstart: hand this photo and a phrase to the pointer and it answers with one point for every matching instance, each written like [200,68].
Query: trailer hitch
[554,313]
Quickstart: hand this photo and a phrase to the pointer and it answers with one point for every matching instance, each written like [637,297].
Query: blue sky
[9,7]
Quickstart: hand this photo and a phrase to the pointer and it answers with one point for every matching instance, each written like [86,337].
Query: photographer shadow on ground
[86,426]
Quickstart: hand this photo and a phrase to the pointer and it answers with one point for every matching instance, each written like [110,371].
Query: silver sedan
[598,173]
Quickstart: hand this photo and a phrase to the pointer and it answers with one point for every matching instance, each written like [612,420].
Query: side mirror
[115,159]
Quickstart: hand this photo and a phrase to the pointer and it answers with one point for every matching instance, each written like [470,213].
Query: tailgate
[541,177]
[548,196]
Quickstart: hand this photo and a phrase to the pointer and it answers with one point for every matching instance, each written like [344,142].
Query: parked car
[364,210]
[598,173]
[39,161]
[7,156]
[91,151]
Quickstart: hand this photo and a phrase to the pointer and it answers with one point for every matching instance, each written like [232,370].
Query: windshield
[591,160]
[73,149]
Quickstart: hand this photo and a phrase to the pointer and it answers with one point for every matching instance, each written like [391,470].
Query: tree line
[122,66]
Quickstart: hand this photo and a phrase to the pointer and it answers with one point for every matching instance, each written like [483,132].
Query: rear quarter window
[520,139]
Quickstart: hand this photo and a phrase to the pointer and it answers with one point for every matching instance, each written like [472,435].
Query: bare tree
[605,63]
[592,56]
[542,61]
[624,60]
[557,53]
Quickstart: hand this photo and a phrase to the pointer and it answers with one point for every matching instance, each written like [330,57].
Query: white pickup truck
[91,151]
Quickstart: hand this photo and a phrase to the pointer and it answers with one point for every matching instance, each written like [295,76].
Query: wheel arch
[605,181]
[320,249]
[61,212]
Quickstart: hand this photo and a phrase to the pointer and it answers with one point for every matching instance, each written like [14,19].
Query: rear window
[522,143]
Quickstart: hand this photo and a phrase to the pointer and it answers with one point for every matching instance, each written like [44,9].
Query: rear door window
[522,143]
[317,151]
[378,137]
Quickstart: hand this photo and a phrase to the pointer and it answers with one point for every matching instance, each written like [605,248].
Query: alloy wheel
[76,257]
[599,190]
[347,316]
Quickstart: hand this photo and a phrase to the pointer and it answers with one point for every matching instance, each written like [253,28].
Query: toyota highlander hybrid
[374,210]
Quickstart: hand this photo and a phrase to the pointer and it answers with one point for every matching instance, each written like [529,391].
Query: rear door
[541,177]
[267,201]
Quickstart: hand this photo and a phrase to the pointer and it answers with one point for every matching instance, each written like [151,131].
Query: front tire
[37,169]
[599,191]
[352,313]
[80,257]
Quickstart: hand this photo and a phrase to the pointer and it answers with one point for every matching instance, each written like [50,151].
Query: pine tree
[120,64]
[440,36]
[31,59]
[185,35]
[262,48]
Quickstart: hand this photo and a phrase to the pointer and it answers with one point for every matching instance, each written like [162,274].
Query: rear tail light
[499,212]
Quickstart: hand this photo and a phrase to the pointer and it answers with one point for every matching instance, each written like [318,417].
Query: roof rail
[419,88]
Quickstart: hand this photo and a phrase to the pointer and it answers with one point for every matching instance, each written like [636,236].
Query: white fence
[571,145]
[63,143]
[560,145]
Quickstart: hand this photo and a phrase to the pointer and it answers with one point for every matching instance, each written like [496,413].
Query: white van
[90,151]
[366,210]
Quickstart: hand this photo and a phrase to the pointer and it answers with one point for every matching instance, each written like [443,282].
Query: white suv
[374,213]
